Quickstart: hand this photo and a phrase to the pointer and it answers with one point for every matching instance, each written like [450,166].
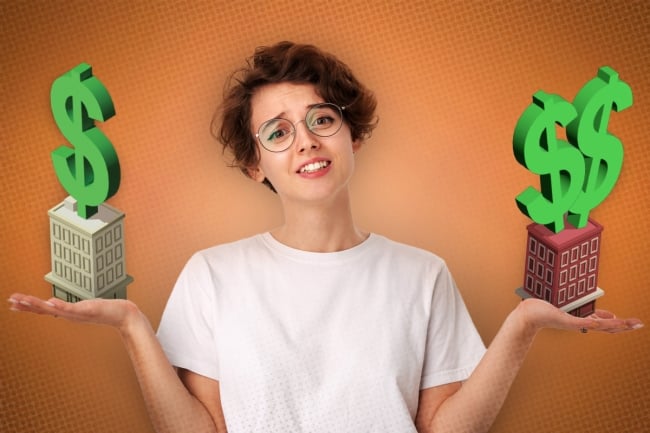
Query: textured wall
[452,78]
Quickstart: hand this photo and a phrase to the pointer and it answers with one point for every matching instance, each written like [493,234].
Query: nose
[304,139]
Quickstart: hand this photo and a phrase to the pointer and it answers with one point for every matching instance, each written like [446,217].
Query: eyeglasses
[323,120]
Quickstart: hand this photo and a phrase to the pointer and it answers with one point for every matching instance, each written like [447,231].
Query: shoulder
[223,257]
[404,252]
[224,251]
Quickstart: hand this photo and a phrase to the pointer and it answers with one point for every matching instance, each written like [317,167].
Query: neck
[322,227]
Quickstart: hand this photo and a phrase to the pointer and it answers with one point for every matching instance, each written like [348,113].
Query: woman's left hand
[538,314]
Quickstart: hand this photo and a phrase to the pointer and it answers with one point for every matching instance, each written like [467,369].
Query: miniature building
[562,268]
[87,254]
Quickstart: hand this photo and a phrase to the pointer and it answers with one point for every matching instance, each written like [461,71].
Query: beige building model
[87,254]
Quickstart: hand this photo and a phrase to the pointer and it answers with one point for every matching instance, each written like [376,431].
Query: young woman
[315,325]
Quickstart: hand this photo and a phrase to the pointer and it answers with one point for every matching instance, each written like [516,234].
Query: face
[313,167]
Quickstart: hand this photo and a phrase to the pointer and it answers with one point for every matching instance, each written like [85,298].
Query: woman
[315,325]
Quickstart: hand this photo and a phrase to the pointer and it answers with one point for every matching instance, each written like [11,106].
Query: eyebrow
[284,113]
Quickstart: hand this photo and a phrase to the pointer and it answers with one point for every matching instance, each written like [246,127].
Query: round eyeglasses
[323,120]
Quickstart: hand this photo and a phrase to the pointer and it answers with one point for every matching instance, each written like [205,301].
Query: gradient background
[439,173]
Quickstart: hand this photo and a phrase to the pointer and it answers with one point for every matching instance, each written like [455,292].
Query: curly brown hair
[288,62]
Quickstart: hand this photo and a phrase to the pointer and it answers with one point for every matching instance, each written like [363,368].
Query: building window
[549,276]
[584,249]
[529,283]
[572,291]
[594,245]
[593,263]
[575,253]
[582,285]
[550,258]
[591,283]
[583,268]
[564,261]
[531,264]
[85,246]
[67,273]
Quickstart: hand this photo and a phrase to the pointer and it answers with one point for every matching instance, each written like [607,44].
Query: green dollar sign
[91,171]
[561,166]
[603,152]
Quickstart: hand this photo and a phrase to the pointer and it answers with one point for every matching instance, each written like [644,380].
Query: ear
[356,145]
[256,173]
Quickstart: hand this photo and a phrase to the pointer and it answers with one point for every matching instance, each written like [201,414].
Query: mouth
[314,166]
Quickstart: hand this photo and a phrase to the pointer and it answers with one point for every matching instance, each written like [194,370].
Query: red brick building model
[562,268]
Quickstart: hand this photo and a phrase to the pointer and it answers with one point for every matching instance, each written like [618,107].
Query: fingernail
[12,300]
[637,326]
[25,303]
[49,304]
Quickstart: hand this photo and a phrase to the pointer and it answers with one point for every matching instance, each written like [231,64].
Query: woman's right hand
[117,313]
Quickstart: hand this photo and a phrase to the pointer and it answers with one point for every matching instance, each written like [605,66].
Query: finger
[634,323]
[20,302]
[618,325]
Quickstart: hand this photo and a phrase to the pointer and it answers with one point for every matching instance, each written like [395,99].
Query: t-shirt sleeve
[187,327]
[453,346]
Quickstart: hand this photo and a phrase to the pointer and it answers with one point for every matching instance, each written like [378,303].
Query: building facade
[88,258]
[562,268]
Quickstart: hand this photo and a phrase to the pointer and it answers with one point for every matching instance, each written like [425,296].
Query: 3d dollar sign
[603,152]
[561,166]
[89,172]
[87,239]
[562,262]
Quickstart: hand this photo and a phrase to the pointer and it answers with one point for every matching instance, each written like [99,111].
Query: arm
[473,406]
[172,406]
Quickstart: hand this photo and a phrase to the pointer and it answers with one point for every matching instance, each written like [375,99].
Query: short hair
[288,62]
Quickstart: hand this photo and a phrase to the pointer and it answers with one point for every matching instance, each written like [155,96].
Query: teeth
[310,168]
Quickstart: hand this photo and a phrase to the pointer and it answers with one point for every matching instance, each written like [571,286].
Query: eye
[322,118]
[275,131]
[277,135]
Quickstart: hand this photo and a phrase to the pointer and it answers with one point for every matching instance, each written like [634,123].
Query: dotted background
[451,78]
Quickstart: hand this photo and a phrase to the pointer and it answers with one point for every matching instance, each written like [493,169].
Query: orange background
[439,173]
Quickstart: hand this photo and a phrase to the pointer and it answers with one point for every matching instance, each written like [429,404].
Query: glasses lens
[276,134]
[324,119]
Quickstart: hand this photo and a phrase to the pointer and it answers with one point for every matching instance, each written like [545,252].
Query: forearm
[170,405]
[474,407]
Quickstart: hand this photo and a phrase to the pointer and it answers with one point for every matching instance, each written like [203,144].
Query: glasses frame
[295,129]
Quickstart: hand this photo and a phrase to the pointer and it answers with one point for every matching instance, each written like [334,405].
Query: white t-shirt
[319,342]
